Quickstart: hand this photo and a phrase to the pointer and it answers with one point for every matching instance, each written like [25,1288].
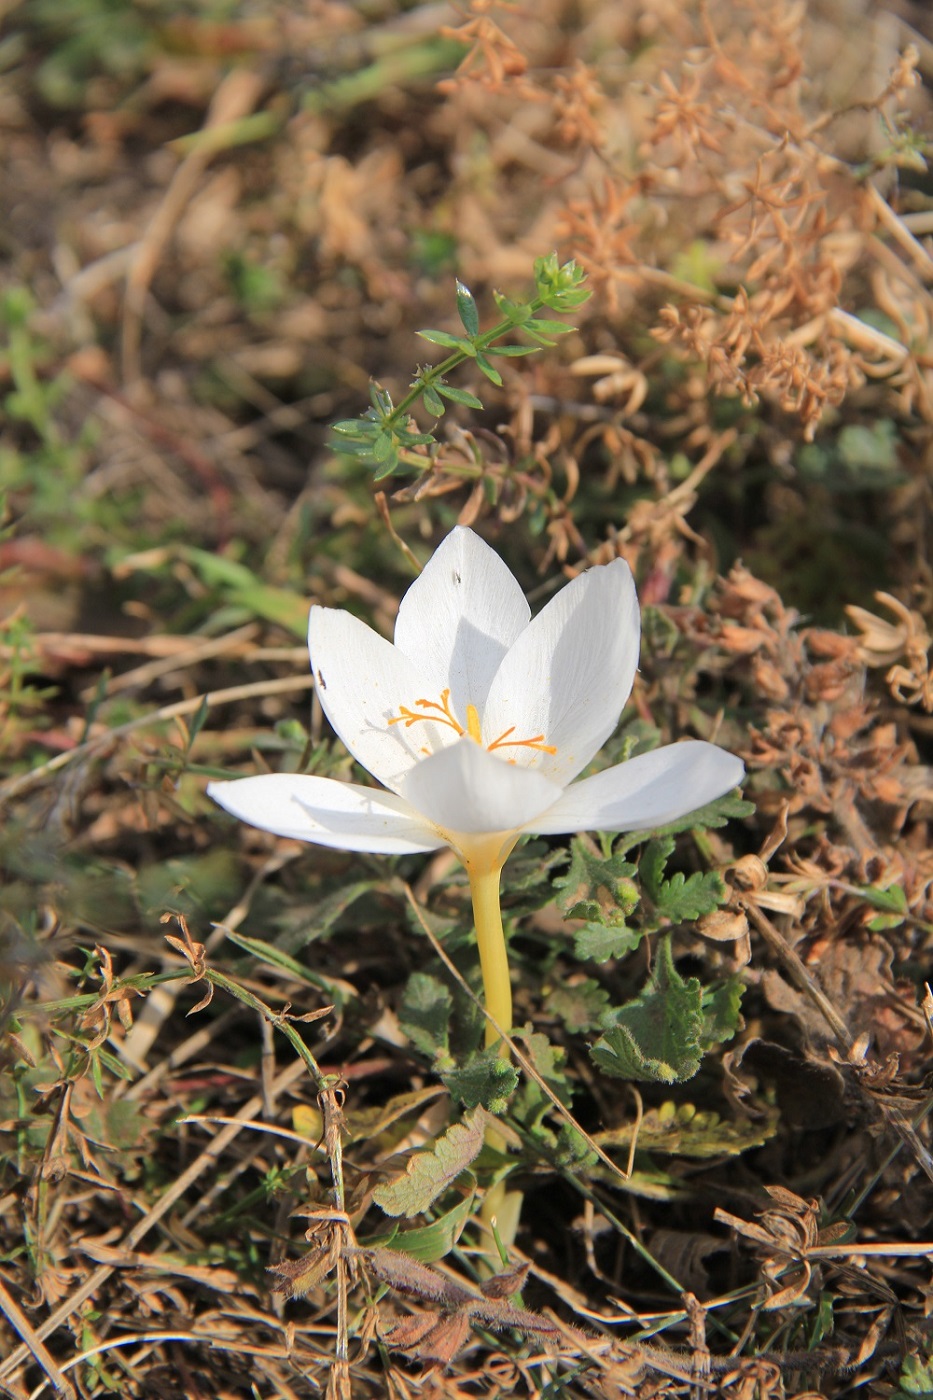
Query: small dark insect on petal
[321,681]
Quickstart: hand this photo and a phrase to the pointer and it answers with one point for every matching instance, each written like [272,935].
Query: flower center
[440,712]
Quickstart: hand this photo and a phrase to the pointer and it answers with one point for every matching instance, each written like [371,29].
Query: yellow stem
[501,1206]
[493,957]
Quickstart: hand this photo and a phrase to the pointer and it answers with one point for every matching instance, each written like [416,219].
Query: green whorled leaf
[559,286]
[489,370]
[429,1173]
[349,448]
[683,1130]
[385,469]
[448,341]
[539,326]
[425,1014]
[408,437]
[681,896]
[484,1080]
[384,447]
[580,1005]
[518,312]
[431,401]
[466,309]
[461,396]
[428,1243]
[514,351]
[380,399]
[600,942]
[656,1037]
[338,991]
[356,428]
[722,1012]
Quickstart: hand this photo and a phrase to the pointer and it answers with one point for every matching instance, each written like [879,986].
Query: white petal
[328,813]
[647,791]
[465,789]
[362,682]
[569,674]
[459,618]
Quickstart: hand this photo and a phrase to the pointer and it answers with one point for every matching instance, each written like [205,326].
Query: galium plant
[477,722]
[383,436]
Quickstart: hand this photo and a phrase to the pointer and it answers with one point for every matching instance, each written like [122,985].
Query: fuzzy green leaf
[656,1037]
[484,1080]
[581,1005]
[425,1014]
[466,309]
[599,888]
[429,1173]
[595,885]
[722,1012]
[600,942]
[686,1131]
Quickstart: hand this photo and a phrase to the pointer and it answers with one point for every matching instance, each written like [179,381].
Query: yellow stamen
[445,715]
[504,742]
[439,712]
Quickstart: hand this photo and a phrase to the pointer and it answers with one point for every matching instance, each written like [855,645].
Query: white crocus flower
[476,723]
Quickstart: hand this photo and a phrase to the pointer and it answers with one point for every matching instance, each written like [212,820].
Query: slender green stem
[493,957]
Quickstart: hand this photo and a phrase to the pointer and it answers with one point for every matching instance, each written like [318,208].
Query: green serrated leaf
[466,309]
[580,1005]
[656,1037]
[685,1131]
[680,897]
[722,1012]
[461,396]
[600,942]
[531,1104]
[599,888]
[484,1080]
[595,885]
[731,807]
[429,1173]
[425,1014]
